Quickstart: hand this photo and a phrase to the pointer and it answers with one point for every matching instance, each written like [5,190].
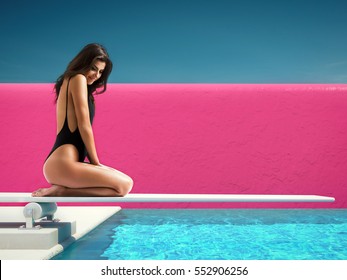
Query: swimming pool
[216,234]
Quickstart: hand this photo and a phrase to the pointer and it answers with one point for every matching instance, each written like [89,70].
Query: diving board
[40,207]
[137,197]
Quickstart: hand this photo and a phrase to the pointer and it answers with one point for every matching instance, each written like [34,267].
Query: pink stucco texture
[194,138]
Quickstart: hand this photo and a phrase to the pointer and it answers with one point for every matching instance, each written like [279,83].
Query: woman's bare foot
[54,190]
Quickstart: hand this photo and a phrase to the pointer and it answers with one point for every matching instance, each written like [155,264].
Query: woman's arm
[79,91]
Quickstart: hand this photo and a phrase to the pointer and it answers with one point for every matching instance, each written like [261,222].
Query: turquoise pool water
[223,234]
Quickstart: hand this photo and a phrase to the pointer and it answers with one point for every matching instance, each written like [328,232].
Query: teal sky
[179,41]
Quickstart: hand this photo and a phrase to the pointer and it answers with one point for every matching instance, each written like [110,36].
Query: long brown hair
[83,62]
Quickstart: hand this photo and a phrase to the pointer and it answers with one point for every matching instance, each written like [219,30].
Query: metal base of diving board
[39,210]
[45,207]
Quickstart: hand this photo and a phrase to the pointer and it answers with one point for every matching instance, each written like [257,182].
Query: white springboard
[17,197]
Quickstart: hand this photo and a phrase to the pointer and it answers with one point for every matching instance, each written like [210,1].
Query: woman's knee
[125,187]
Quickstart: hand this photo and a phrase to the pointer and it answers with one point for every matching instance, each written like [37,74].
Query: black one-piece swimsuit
[65,136]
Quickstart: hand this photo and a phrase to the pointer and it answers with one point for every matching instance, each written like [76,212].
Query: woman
[64,167]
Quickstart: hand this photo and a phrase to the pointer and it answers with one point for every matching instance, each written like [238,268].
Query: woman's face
[95,71]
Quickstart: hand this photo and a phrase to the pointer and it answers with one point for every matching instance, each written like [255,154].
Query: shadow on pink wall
[193,138]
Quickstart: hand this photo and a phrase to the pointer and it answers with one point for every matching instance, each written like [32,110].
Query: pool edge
[86,220]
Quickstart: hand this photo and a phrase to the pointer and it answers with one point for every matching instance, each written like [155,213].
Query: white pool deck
[76,221]
[84,218]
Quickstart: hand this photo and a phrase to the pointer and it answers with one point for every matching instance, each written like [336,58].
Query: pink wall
[194,138]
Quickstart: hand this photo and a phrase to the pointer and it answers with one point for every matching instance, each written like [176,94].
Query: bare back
[61,109]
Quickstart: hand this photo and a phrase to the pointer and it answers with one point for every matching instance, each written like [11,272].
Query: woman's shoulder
[78,85]
[78,79]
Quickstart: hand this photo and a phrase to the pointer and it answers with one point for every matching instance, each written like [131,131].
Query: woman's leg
[82,179]
[56,190]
